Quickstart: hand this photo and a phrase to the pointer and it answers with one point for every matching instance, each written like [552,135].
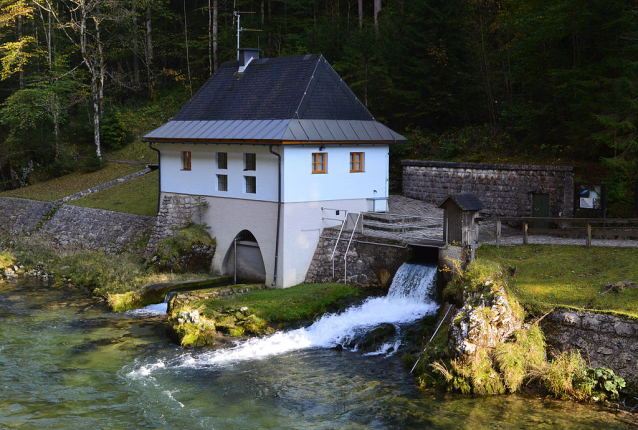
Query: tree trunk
[149,51]
[21,68]
[210,40]
[215,29]
[377,10]
[136,60]
[360,4]
[188,62]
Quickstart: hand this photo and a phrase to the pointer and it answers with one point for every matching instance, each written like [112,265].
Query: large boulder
[188,249]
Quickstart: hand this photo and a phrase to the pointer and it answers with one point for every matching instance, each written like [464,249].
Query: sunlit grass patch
[137,196]
[545,276]
[70,184]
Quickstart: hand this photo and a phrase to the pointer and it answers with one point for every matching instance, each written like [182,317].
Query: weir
[410,298]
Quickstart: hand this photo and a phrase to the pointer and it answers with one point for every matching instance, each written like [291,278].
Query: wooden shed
[459,214]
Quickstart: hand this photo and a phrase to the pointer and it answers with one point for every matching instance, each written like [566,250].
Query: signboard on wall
[589,200]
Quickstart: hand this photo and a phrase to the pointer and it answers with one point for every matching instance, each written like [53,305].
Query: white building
[276,147]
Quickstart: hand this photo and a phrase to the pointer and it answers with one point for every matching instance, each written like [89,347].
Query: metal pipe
[235,254]
[435,332]
[274,282]
[159,169]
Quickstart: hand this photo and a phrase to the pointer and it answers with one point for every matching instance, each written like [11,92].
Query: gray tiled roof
[298,99]
[467,202]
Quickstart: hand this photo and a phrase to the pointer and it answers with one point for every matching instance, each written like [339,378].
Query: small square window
[186,160]
[319,162]
[251,184]
[222,182]
[356,162]
[222,160]
[250,161]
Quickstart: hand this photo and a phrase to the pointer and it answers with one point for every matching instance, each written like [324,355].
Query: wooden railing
[625,227]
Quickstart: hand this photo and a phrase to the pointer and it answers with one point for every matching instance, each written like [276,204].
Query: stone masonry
[505,189]
[603,340]
[22,216]
[175,212]
[367,263]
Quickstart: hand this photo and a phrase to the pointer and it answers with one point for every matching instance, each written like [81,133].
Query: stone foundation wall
[603,340]
[367,264]
[504,189]
[175,212]
[72,226]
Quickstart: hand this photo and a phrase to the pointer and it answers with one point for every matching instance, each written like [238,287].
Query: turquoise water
[66,362]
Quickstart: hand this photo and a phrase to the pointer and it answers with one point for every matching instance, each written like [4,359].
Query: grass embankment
[544,276]
[137,196]
[102,274]
[63,186]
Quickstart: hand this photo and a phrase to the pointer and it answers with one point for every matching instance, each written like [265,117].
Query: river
[66,362]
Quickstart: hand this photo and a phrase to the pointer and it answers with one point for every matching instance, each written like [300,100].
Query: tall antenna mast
[240,29]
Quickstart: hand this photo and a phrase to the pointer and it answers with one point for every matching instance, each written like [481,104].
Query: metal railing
[344,221]
[345,255]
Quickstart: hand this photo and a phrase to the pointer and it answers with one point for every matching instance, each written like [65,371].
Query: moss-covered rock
[188,249]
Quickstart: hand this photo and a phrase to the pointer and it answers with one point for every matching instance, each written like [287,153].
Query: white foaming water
[330,330]
[154,309]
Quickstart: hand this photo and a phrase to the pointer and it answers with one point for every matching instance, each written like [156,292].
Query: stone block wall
[367,264]
[603,340]
[175,211]
[72,226]
[22,216]
[97,229]
[505,189]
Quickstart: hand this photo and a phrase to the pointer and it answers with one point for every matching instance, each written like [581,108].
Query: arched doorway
[244,259]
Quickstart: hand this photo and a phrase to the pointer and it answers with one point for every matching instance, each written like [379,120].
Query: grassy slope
[572,276]
[66,185]
[138,196]
[292,304]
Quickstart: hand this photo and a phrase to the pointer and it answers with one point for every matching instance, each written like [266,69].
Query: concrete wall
[603,340]
[504,189]
[71,226]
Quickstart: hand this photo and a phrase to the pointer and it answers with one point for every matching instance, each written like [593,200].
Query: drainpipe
[278,216]
[159,168]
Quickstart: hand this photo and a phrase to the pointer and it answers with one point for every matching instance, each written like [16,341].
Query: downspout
[159,168]
[274,282]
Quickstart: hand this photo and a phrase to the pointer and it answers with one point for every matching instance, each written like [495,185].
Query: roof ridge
[312,76]
[349,91]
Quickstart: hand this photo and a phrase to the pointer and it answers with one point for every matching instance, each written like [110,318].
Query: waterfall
[408,300]
[156,308]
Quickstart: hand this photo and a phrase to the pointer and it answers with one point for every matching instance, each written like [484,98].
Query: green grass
[138,196]
[66,185]
[571,276]
[301,302]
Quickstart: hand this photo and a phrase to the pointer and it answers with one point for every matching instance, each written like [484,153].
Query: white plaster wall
[202,178]
[301,185]
[302,225]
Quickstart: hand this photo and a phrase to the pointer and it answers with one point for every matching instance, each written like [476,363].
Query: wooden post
[525,238]
[498,233]
[588,234]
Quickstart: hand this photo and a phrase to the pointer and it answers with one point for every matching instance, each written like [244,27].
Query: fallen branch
[618,287]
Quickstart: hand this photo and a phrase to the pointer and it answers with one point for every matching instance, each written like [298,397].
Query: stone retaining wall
[504,189]
[603,340]
[67,226]
[97,229]
[368,264]
[22,216]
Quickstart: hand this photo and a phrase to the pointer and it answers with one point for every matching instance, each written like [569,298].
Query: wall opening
[247,262]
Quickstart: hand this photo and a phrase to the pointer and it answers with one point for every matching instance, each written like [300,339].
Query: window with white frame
[250,161]
[222,182]
[250,184]
[222,160]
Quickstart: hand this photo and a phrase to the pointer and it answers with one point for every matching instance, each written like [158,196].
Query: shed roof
[467,202]
[298,99]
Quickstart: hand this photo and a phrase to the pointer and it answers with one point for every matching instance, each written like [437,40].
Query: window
[356,162]
[251,184]
[222,160]
[319,162]
[186,160]
[222,182]
[250,161]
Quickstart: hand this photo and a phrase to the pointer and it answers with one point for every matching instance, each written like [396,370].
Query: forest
[534,81]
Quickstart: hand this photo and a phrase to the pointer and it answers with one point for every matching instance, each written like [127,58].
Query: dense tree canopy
[558,76]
